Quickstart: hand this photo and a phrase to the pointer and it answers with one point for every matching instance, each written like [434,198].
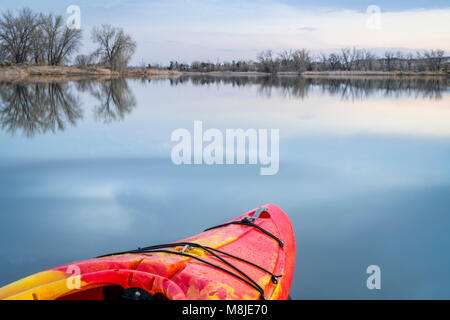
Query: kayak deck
[250,257]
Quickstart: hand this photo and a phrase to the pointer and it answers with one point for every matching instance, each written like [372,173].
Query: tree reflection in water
[37,108]
[356,88]
[116,99]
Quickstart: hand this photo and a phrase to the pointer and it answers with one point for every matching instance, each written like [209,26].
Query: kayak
[251,257]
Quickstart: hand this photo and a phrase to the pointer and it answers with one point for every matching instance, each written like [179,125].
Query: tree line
[45,39]
[347,59]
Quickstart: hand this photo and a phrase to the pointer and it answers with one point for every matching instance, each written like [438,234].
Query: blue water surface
[85,169]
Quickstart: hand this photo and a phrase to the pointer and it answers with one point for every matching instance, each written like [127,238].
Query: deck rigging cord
[249,222]
[241,275]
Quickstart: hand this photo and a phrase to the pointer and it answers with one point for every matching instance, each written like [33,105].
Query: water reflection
[346,88]
[116,99]
[40,108]
[364,183]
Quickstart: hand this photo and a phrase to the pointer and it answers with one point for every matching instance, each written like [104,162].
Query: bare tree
[347,58]
[409,57]
[357,57]
[399,60]
[369,59]
[434,59]
[267,61]
[389,57]
[83,60]
[302,60]
[16,33]
[334,61]
[420,61]
[59,41]
[4,55]
[37,47]
[285,59]
[323,62]
[115,46]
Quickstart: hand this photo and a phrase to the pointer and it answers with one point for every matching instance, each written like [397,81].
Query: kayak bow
[249,257]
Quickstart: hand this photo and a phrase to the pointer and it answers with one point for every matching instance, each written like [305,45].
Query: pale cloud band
[280,26]
[226,30]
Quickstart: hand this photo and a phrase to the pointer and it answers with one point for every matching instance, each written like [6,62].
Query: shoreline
[61,73]
[370,74]
[64,73]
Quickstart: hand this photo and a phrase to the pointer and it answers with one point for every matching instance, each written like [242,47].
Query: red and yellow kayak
[249,257]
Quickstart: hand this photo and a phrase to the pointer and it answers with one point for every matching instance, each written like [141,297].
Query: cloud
[307,28]
[193,29]
[242,29]
[227,50]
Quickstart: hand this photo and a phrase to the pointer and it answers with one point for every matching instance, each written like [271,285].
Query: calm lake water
[364,175]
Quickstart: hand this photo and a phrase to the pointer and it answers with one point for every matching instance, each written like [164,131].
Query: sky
[189,30]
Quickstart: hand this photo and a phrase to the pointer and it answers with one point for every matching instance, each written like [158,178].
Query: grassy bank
[150,73]
[53,73]
[50,73]
[227,73]
[330,74]
[373,73]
